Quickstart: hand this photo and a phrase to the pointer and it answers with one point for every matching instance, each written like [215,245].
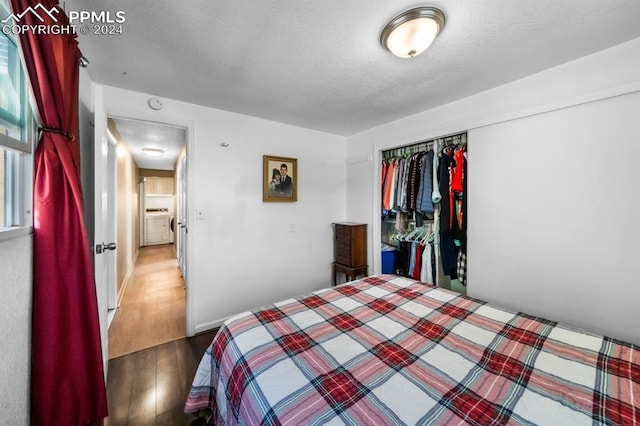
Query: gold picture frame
[280,179]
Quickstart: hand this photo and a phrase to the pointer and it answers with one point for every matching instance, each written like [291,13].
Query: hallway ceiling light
[412,32]
[153,152]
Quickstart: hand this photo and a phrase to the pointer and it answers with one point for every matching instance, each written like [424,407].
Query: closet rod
[407,150]
[460,139]
[449,140]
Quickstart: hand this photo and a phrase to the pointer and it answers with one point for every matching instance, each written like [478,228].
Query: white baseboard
[207,326]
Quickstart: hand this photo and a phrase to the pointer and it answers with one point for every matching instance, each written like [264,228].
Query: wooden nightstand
[350,250]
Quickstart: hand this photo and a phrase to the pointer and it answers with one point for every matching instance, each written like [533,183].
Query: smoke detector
[156,103]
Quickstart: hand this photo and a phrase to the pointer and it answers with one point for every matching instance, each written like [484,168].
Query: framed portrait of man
[280,179]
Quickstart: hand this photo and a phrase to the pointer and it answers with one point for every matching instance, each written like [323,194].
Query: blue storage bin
[388,259]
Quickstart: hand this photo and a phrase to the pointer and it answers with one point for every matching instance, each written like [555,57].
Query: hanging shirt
[461,234]
[456,180]
[384,169]
[402,222]
[419,186]
[445,207]
[419,248]
[394,186]
[462,268]
[415,179]
[405,185]
[388,187]
[411,171]
[426,274]
[401,260]
[425,204]
[457,197]
[383,172]
[449,255]
[383,180]
[452,195]
[436,197]
[412,259]
[399,184]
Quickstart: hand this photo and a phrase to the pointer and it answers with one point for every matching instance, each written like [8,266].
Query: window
[17,132]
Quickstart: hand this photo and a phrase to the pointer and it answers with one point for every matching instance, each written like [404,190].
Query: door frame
[180,213]
[104,181]
[189,125]
[112,230]
[142,208]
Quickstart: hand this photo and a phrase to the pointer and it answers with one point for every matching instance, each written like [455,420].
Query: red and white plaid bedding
[391,350]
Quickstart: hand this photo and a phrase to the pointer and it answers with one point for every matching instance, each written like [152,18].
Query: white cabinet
[159,186]
[157,229]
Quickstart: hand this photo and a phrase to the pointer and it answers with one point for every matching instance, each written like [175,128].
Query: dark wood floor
[150,387]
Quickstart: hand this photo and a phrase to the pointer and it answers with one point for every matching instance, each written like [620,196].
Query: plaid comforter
[391,350]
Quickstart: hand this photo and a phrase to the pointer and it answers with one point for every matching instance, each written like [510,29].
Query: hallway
[152,309]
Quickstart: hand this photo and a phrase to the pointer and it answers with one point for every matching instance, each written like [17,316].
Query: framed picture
[280,179]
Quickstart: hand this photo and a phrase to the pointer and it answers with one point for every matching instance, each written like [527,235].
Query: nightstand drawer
[350,244]
[343,233]
[343,256]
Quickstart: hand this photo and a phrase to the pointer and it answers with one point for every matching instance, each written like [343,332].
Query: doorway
[150,288]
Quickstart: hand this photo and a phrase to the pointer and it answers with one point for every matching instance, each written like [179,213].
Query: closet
[423,211]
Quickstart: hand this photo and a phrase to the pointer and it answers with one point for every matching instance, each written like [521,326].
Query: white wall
[235,260]
[578,108]
[128,217]
[553,215]
[15,332]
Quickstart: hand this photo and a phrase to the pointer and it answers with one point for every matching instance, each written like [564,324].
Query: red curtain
[67,379]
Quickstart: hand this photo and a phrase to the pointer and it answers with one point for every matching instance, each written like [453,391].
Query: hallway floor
[152,309]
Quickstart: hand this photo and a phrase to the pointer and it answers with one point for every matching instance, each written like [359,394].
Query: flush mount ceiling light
[153,152]
[411,32]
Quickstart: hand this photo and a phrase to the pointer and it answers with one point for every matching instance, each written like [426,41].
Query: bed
[392,350]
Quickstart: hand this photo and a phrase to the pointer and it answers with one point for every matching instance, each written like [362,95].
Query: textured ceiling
[318,64]
[139,134]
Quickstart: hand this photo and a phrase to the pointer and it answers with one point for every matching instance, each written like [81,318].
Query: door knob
[100,248]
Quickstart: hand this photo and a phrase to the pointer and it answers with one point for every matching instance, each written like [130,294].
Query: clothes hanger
[410,235]
[417,235]
[422,235]
[429,235]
